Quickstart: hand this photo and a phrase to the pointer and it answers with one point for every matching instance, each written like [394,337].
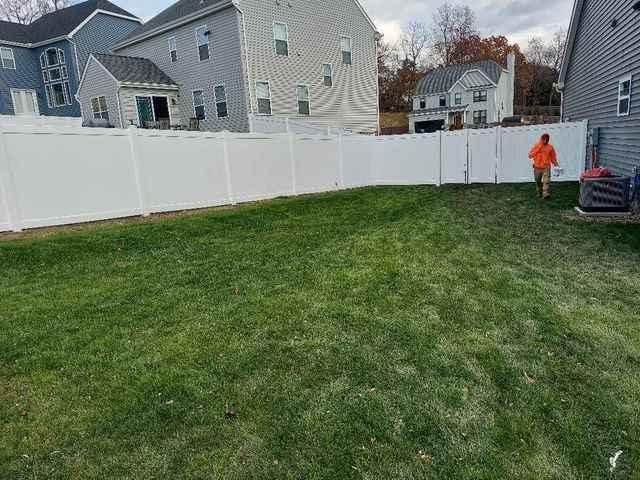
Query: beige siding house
[236,62]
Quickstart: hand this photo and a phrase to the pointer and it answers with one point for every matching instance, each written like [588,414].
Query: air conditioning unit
[605,194]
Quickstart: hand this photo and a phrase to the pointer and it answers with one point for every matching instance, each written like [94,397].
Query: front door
[25,102]
[457,121]
[152,109]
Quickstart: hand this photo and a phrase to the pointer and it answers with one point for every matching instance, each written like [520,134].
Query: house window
[423,103]
[59,99]
[173,49]
[8,60]
[281,38]
[263,94]
[52,57]
[61,58]
[100,108]
[479,96]
[345,46]
[458,99]
[443,101]
[65,72]
[55,74]
[480,117]
[304,103]
[624,97]
[220,94]
[198,105]
[45,76]
[327,73]
[202,37]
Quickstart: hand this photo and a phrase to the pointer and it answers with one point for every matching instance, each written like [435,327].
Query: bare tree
[452,24]
[26,11]
[415,42]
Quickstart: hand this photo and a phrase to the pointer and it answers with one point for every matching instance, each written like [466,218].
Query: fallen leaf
[530,381]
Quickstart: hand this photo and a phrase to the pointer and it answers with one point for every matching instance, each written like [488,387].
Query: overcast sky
[517,19]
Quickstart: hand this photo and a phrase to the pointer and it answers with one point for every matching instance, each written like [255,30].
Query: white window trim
[350,49]
[486,95]
[628,78]
[323,75]
[216,101]
[34,95]
[208,44]
[171,50]
[46,56]
[298,100]
[455,98]
[13,57]
[100,112]
[204,104]
[275,40]
[268,82]
[67,101]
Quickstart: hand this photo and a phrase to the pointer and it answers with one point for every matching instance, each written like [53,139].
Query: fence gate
[454,157]
[482,156]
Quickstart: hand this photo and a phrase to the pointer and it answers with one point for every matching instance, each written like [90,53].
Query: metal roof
[56,24]
[442,79]
[134,70]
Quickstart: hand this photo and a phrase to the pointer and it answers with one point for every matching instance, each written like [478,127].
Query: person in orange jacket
[543,156]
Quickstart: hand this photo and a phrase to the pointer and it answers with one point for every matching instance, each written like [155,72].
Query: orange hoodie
[543,156]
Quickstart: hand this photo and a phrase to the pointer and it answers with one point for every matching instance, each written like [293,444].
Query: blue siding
[99,35]
[68,110]
[602,55]
[25,76]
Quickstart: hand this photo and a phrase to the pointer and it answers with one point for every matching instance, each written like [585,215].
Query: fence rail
[63,175]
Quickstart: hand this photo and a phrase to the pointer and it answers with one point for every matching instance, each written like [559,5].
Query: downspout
[378,37]
[560,89]
[246,54]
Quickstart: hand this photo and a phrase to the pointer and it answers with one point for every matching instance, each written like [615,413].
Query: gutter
[246,54]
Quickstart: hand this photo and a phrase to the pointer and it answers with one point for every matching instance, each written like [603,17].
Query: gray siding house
[41,63]
[601,75]
[459,95]
[236,61]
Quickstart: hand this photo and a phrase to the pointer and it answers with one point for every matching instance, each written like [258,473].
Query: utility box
[605,194]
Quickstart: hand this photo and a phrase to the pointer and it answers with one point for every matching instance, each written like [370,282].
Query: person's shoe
[547,197]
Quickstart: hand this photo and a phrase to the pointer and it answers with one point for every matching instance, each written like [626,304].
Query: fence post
[227,165]
[499,155]
[440,158]
[8,187]
[137,170]
[340,160]
[287,128]
[292,157]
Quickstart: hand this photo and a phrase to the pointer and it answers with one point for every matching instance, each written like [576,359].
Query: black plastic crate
[606,194]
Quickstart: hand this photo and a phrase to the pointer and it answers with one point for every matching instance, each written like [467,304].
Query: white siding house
[460,95]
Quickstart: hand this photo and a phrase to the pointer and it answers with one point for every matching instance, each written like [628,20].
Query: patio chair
[164,124]
[194,124]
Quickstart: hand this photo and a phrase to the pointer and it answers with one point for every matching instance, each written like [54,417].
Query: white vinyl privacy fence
[62,175]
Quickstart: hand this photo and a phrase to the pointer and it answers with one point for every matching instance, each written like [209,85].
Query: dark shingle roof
[134,70]
[175,12]
[56,24]
[442,79]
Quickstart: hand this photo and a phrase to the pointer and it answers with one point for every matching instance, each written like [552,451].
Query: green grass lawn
[383,333]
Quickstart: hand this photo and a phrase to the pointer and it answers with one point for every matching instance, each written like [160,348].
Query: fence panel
[70,175]
[260,166]
[483,161]
[407,160]
[316,164]
[39,121]
[454,157]
[567,138]
[5,226]
[182,170]
[357,154]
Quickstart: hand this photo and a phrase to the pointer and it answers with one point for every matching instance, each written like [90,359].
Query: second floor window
[58,94]
[480,117]
[423,103]
[263,94]
[327,73]
[281,38]
[624,97]
[173,49]
[7,58]
[479,96]
[99,108]
[458,99]
[345,46]
[443,101]
[304,100]
[202,38]
[198,105]
[55,75]
[220,93]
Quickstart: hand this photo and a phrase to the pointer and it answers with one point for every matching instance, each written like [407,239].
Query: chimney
[511,67]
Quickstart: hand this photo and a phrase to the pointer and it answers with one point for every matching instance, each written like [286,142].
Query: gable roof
[442,79]
[57,24]
[189,10]
[571,37]
[134,70]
